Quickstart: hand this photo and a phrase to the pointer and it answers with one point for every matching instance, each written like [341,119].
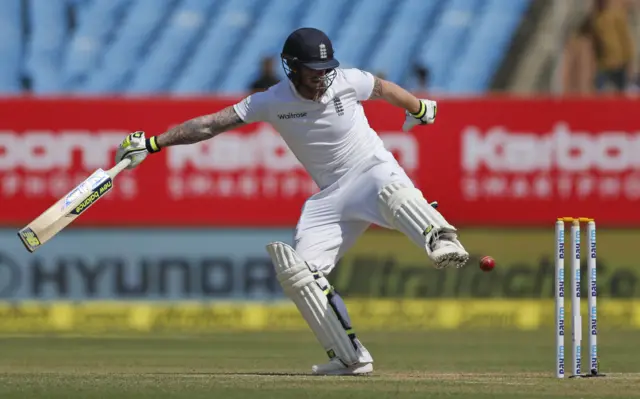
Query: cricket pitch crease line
[461,378]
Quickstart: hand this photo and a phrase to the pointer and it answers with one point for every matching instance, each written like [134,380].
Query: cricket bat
[69,207]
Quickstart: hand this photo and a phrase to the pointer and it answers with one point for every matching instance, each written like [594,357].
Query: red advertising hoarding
[491,161]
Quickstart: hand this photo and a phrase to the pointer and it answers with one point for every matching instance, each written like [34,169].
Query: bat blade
[69,207]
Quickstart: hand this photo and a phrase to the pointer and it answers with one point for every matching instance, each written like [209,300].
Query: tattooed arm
[394,95]
[200,128]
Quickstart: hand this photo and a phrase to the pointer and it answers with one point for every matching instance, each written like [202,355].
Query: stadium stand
[202,46]
[264,38]
[358,39]
[174,44]
[202,72]
[44,52]
[96,26]
[481,57]
[142,23]
[11,47]
[411,20]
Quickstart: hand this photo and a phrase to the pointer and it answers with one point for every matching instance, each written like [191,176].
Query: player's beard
[316,86]
[321,86]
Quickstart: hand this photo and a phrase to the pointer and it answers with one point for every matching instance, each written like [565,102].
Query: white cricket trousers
[334,218]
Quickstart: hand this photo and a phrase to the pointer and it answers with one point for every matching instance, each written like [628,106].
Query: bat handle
[120,166]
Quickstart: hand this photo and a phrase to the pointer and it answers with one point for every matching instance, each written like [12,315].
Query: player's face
[313,83]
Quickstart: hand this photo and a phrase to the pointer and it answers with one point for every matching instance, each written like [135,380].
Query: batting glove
[136,148]
[425,116]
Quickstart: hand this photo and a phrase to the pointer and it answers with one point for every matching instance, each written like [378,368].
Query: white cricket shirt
[329,136]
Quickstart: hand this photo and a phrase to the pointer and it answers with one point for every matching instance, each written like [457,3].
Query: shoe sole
[451,259]
[353,370]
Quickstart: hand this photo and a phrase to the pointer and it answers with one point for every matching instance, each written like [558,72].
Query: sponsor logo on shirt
[292,115]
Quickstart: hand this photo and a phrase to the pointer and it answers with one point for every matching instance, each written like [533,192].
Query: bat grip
[120,166]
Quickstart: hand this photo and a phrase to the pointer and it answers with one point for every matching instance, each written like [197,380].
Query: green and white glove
[425,116]
[136,148]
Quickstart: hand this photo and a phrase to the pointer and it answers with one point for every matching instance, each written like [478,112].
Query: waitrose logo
[292,115]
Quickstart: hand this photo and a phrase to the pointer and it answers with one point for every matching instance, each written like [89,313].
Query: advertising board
[142,264]
[366,315]
[489,161]
[232,264]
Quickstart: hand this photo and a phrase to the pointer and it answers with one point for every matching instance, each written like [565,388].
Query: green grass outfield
[275,365]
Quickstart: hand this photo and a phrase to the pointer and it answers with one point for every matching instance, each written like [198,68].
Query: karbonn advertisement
[498,162]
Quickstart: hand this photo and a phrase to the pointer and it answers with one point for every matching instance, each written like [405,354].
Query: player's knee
[291,266]
[406,209]
[323,266]
[394,196]
[317,258]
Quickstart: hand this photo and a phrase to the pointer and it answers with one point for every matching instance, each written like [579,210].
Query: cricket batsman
[318,112]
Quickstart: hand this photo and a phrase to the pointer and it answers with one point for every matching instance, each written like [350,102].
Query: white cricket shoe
[447,251]
[336,367]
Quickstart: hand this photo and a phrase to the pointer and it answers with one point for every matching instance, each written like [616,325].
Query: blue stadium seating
[265,38]
[11,47]
[490,41]
[328,16]
[140,26]
[220,41]
[96,24]
[409,26]
[188,47]
[359,38]
[44,52]
[177,39]
[439,50]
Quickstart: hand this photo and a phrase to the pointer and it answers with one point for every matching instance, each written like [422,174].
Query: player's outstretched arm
[200,128]
[394,95]
[136,147]
[418,111]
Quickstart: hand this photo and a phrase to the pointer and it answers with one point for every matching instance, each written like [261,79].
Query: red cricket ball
[487,263]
